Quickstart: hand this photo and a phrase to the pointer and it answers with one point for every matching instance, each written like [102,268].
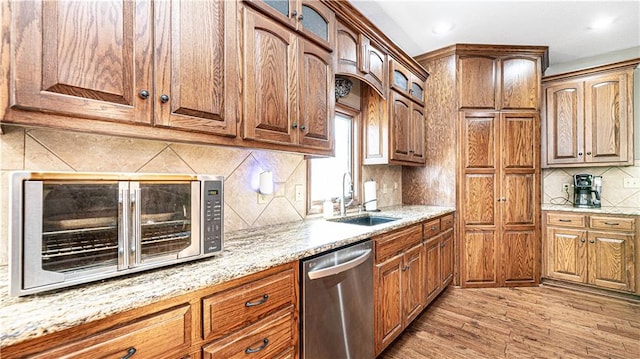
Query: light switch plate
[631,182]
[299,193]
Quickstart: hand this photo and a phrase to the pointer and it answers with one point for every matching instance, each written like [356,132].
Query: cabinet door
[566,254]
[316,96]
[564,123]
[270,80]
[285,11]
[347,48]
[197,73]
[83,59]
[477,82]
[479,258]
[375,138]
[400,127]
[318,22]
[388,304]
[412,294]
[446,258]
[611,260]
[374,66]
[432,267]
[417,146]
[520,83]
[607,118]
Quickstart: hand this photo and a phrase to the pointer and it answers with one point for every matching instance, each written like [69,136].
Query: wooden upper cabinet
[316,96]
[129,62]
[375,138]
[357,56]
[588,119]
[84,59]
[310,17]
[520,83]
[270,108]
[499,82]
[417,134]
[407,83]
[401,140]
[291,82]
[196,73]
[477,82]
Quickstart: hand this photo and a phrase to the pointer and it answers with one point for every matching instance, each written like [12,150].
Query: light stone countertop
[630,211]
[245,252]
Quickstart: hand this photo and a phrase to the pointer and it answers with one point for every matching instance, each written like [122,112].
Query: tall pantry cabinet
[492,95]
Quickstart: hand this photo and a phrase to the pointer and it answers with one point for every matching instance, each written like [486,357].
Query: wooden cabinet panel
[84,59]
[606,118]
[477,82]
[480,198]
[565,123]
[347,47]
[391,244]
[479,258]
[612,223]
[611,260]
[316,97]
[432,266]
[566,257]
[375,139]
[374,67]
[447,222]
[520,83]
[417,134]
[153,336]
[230,310]
[566,220]
[431,228]
[197,73]
[269,68]
[388,312]
[519,199]
[400,130]
[519,145]
[265,339]
[412,292]
[446,258]
[519,257]
[479,134]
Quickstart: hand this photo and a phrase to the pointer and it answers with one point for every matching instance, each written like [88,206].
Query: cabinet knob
[582,240]
[579,153]
[164,98]
[588,153]
[303,127]
[294,126]
[144,94]
[592,241]
[294,13]
[301,17]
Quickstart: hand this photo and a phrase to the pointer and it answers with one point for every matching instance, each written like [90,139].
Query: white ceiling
[564,26]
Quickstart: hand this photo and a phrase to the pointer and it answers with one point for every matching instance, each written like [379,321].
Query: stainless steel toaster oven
[68,228]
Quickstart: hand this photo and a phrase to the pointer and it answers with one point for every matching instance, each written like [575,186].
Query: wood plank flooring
[537,322]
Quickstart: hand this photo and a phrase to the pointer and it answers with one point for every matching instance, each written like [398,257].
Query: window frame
[315,207]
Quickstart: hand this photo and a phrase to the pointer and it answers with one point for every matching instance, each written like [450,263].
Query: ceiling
[564,26]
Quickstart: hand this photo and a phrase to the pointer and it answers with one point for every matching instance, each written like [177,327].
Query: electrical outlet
[299,193]
[384,188]
[631,182]
[565,187]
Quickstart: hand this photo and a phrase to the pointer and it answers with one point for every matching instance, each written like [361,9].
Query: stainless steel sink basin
[366,220]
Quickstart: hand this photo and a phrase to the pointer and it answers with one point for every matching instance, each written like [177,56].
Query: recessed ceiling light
[442,28]
[601,23]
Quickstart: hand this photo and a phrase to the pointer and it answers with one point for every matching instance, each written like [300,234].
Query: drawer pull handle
[564,220]
[130,353]
[612,223]
[261,301]
[265,342]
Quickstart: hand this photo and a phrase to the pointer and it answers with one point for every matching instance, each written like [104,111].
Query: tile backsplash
[46,150]
[613,192]
[388,183]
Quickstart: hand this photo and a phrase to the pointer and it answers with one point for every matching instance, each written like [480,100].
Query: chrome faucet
[343,205]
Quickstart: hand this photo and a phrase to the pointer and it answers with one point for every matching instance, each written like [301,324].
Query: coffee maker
[586,191]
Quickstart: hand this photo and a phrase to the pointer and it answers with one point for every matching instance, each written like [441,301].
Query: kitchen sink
[365,220]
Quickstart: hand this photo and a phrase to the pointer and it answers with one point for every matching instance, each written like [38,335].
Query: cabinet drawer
[154,336]
[268,338]
[566,220]
[391,244]
[612,223]
[230,310]
[432,228]
[446,222]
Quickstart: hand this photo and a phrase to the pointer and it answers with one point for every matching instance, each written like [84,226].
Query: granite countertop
[245,252]
[630,211]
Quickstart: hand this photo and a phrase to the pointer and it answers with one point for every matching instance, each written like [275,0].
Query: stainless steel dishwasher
[337,304]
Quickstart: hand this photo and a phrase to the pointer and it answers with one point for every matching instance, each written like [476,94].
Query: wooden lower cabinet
[595,250]
[256,314]
[413,265]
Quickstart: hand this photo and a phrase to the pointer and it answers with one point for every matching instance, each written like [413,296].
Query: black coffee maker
[586,191]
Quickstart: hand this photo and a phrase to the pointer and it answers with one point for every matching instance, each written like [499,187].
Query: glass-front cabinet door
[163,217]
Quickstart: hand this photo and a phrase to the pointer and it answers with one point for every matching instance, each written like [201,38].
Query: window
[326,174]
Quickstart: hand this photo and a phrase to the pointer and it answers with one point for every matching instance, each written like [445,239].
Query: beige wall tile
[298,177]
[87,152]
[166,161]
[278,211]
[281,164]
[241,190]
[214,160]
[39,158]
[232,221]
[12,149]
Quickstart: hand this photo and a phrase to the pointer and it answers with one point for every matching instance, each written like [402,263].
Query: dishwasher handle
[343,267]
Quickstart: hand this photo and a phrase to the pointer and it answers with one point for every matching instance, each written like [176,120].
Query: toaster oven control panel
[212,216]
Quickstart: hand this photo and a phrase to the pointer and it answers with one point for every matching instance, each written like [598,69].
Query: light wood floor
[539,322]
